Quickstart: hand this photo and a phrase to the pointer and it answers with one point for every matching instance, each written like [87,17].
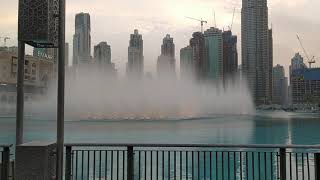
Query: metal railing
[4,161]
[191,161]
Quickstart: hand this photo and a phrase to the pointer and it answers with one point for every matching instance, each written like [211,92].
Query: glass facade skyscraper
[82,39]
[135,65]
[255,49]
[214,54]
[166,63]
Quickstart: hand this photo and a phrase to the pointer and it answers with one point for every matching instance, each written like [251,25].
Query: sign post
[20,93]
[61,84]
[41,24]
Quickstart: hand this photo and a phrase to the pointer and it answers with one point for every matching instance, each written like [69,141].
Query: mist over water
[95,94]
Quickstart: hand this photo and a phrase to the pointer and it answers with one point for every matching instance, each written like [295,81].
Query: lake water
[262,128]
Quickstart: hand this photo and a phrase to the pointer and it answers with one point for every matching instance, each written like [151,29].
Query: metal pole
[68,175]
[61,83]
[317,166]
[20,93]
[283,161]
[130,168]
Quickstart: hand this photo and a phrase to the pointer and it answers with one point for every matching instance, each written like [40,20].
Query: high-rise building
[186,63]
[82,39]
[102,53]
[214,54]
[255,45]
[270,56]
[135,65]
[197,44]
[296,63]
[166,63]
[305,86]
[280,86]
[230,55]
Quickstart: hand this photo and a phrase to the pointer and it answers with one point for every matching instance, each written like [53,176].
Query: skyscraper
[305,86]
[66,55]
[82,39]
[199,62]
[214,54]
[186,63]
[296,63]
[166,64]
[270,56]
[135,63]
[280,86]
[102,53]
[230,55]
[255,53]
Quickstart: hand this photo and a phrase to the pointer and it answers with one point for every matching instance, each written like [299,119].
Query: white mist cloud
[91,94]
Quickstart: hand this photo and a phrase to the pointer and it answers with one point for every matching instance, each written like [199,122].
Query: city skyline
[282,14]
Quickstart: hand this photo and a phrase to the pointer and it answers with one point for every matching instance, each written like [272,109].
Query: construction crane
[234,11]
[214,16]
[200,20]
[5,40]
[310,60]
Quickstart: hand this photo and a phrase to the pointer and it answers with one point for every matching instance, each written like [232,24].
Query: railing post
[5,163]
[283,163]
[130,163]
[68,173]
[317,166]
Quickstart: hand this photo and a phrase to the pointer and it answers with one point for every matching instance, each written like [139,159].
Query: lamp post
[61,84]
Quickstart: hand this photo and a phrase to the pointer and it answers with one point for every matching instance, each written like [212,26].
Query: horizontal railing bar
[5,145]
[257,146]
[227,151]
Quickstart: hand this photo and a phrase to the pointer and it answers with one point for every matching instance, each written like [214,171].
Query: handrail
[258,146]
[5,145]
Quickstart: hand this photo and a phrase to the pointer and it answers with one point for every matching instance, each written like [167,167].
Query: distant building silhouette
[82,39]
[102,53]
[186,63]
[255,49]
[280,86]
[199,61]
[166,63]
[102,57]
[214,54]
[296,63]
[230,55]
[270,56]
[135,64]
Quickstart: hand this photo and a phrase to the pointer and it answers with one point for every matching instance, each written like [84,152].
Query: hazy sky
[113,21]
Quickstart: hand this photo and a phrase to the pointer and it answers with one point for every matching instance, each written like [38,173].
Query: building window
[11,99]
[4,98]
